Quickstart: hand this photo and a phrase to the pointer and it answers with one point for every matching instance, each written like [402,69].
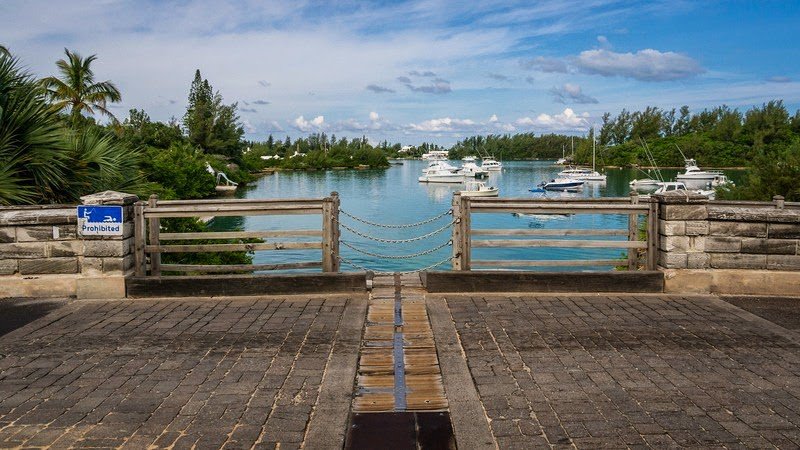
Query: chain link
[396,241]
[358,266]
[406,225]
[412,255]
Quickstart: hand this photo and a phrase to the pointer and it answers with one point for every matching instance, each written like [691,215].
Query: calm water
[394,196]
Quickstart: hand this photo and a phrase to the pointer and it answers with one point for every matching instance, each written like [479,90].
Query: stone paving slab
[629,371]
[179,373]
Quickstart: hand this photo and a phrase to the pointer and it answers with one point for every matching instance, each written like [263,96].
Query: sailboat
[648,183]
[581,173]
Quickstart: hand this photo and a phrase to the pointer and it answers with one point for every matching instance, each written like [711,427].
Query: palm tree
[77,90]
[4,51]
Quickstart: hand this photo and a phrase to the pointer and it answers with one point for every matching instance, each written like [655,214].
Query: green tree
[77,90]
[211,125]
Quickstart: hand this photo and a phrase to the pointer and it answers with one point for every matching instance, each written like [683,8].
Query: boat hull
[442,179]
[484,193]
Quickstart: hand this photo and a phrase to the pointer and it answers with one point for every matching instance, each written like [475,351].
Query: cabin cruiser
[470,169]
[679,186]
[645,183]
[582,173]
[479,189]
[722,181]
[694,178]
[441,173]
[439,165]
[562,184]
[491,164]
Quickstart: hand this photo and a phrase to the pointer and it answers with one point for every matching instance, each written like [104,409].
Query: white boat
[439,175]
[491,164]
[435,155]
[470,169]
[679,186]
[694,178]
[469,158]
[439,165]
[562,184]
[582,173]
[562,161]
[479,189]
[645,183]
[722,181]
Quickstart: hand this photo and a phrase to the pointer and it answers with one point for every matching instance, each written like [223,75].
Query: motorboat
[582,173]
[442,175]
[470,169]
[491,164]
[479,189]
[435,155]
[469,158]
[562,184]
[439,165]
[722,181]
[645,183]
[694,178]
[679,186]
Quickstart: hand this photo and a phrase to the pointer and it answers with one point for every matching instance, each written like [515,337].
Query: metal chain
[397,241]
[405,225]
[412,255]
[358,266]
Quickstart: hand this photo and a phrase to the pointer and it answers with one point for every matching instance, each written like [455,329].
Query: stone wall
[696,234]
[41,253]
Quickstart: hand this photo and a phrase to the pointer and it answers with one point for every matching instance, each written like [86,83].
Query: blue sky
[422,70]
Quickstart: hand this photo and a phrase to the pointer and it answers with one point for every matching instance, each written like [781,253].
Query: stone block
[698,260]
[108,248]
[118,266]
[687,281]
[696,227]
[42,286]
[673,243]
[38,215]
[25,250]
[92,265]
[672,227]
[784,231]
[672,260]
[741,229]
[738,261]
[101,287]
[8,234]
[769,246]
[716,244]
[783,262]
[48,266]
[8,266]
[684,212]
[740,282]
[37,233]
[64,248]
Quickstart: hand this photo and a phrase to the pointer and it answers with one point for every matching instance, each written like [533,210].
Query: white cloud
[493,118]
[644,65]
[373,116]
[603,41]
[571,93]
[546,64]
[443,124]
[564,121]
[315,124]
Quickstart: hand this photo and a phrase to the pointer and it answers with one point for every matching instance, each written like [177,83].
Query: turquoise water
[394,196]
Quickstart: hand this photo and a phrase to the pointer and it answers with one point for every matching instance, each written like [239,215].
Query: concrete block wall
[696,234]
[40,247]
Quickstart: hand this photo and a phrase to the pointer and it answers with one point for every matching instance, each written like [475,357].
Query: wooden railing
[149,240]
[463,233]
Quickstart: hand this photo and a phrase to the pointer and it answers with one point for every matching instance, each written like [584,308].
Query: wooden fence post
[466,234]
[155,230]
[138,239]
[633,231]
[327,234]
[652,234]
[336,232]
[456,236]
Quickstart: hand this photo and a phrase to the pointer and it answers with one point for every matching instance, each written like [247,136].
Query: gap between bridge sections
[399,397]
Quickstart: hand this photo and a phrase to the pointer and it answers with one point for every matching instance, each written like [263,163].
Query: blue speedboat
[562,184]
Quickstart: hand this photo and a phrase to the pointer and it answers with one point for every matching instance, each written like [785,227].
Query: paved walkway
[629,371]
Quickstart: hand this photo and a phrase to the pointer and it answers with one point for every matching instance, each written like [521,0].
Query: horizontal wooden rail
[556,243]
[558,209]
[478,200]
[555,232]
[238,201]
[200,211]
[200,248]
[217,268]
[548,263]
[238,234]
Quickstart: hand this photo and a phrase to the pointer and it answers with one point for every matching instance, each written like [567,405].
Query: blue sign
[96,220]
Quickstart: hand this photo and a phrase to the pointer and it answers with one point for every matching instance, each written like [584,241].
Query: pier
[696,351]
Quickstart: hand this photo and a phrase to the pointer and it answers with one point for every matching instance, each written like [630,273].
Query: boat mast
[593,150]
